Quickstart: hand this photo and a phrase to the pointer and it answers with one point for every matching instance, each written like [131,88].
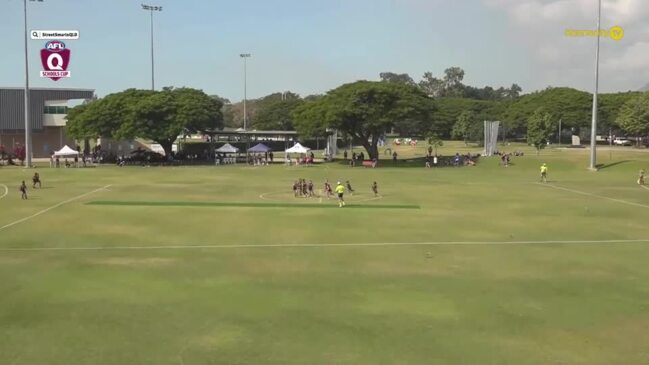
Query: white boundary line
[595,195]
[6,190]
[52,207]
[317,245]
[644,187]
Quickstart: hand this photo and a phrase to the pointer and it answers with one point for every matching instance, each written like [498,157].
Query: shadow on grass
[418,162]
[606,166]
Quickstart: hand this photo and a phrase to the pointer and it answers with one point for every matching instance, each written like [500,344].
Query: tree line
[433,108]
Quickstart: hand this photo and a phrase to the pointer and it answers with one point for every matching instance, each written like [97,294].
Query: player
[544,173]
[36,180]
[641,178]
[375,189]
[349,187]
[310,188]
[327,188]
[295,188]
[23,191]
[340,190]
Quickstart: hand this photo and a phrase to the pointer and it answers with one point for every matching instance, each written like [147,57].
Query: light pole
[593,132]
[245,57]
[28,127]
[151,9]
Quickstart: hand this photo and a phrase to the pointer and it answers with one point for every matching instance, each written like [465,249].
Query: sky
[312,46]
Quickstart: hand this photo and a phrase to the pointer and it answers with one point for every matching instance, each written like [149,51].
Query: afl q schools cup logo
[55,58]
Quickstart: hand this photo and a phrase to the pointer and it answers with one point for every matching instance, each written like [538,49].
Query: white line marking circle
[6,190]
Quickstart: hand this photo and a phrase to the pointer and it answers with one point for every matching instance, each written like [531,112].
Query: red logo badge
[55,58]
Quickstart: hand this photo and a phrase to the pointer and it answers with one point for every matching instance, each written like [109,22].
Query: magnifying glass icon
[35,35]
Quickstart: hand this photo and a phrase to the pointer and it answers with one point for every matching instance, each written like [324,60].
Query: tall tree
[397,78]
[540,127]
[513,92]
[634,116]
[431,85]
[466,127]
[453,77]
[276,115]
[160,116]
[366,110]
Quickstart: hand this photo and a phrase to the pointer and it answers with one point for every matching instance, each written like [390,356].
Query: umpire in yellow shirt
[340,190]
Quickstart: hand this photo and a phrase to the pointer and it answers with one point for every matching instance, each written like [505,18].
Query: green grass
[298,295]
[246,205]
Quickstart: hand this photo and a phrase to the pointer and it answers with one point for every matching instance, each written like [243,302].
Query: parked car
[622,141]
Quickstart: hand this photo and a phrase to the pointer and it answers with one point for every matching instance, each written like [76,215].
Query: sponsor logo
[55,58]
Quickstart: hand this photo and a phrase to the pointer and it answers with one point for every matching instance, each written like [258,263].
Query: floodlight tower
[151,9]
[245,57]
[593,132]
[28,127]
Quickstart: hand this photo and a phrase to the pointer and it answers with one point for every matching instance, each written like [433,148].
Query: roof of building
[12,107]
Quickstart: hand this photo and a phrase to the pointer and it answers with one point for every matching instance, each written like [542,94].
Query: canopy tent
[298,148]
[260,148]
[227,148]
[66,151]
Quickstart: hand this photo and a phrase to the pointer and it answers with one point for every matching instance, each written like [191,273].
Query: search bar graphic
[54,34]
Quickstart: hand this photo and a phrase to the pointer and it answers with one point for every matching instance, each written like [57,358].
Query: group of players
[304,189]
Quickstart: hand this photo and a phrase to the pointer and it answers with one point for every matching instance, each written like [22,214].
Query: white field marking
[263,196]
[52,207]
[6,190]
[644,187]
[595,195]
[319,245]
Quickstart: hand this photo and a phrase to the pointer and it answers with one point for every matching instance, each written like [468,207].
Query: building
[48,108]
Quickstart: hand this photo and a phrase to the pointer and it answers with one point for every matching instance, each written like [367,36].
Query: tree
[277,115]
[466,127]
[453,77]
[572,106]
[366,110]
[634,116]
[539,129]
[513,92]
[610,106]
[434,140]
[432,86]
[160,116]
[397,78]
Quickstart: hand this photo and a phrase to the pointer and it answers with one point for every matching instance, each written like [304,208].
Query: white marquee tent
[227,148]
[66,151]
[298,148]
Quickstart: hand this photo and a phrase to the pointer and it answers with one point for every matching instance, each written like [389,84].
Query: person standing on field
[544,173]
[23,191]
[641,178]
[340,191]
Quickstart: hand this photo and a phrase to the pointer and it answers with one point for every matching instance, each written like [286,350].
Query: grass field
[206,265]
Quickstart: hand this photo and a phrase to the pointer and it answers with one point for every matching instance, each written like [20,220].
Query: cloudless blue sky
[306,46]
